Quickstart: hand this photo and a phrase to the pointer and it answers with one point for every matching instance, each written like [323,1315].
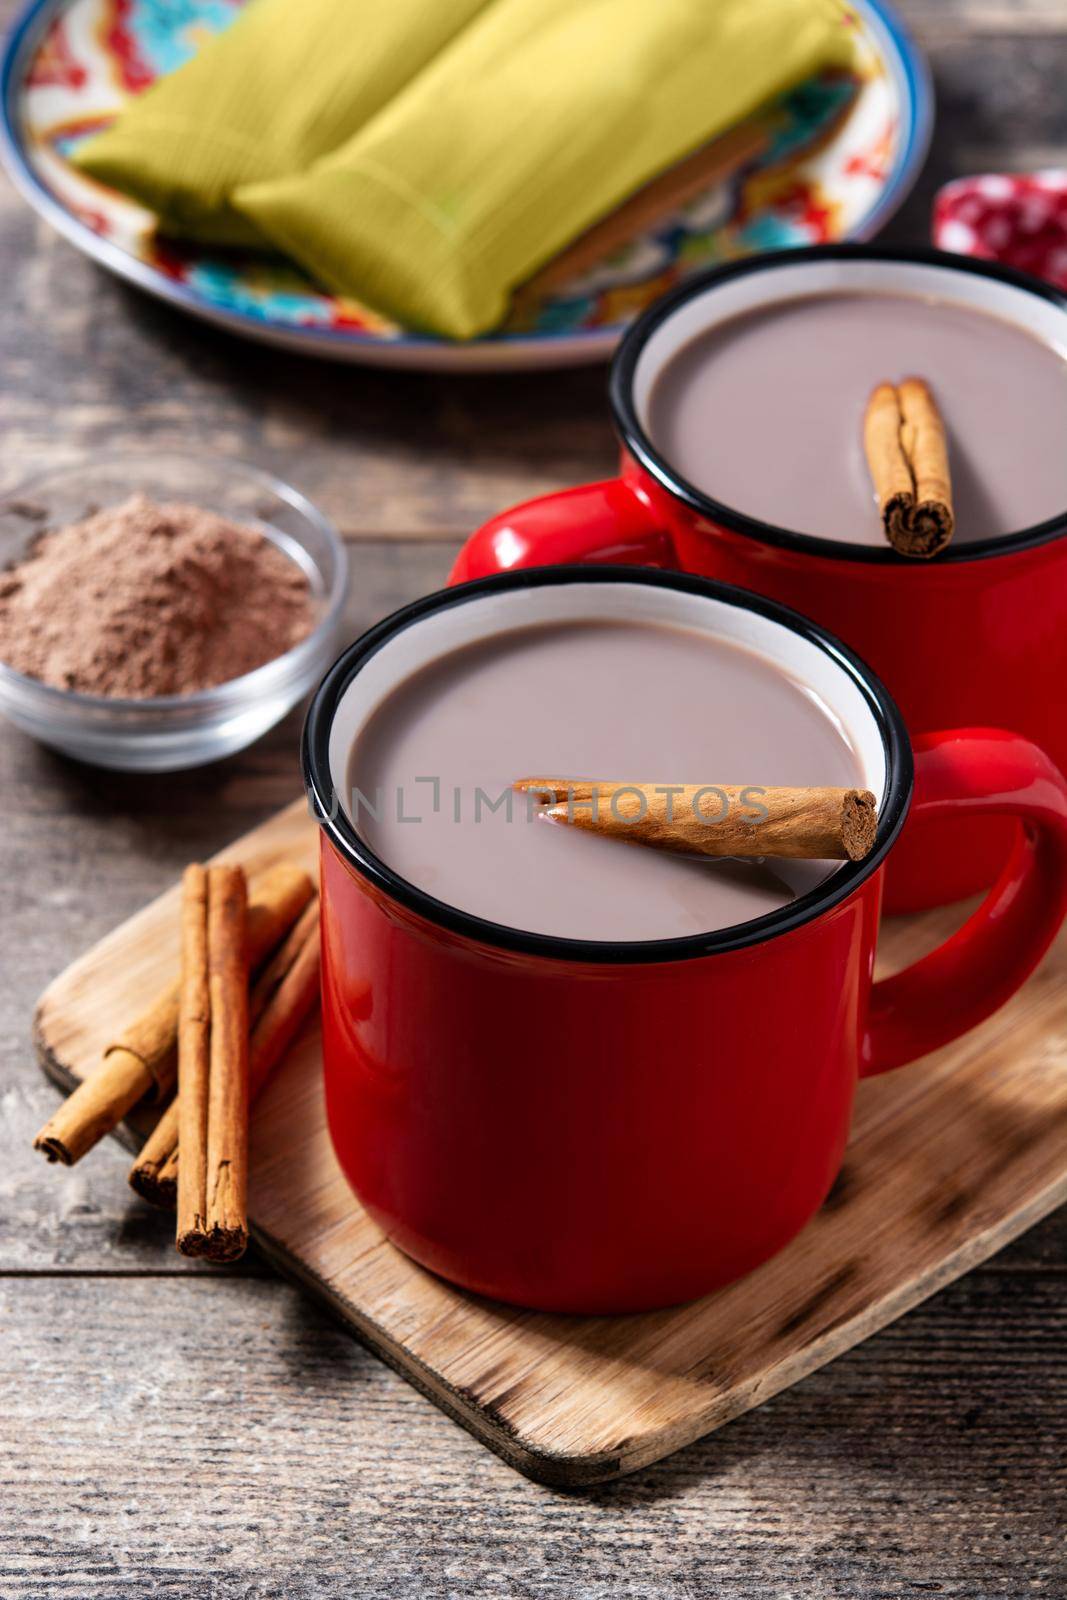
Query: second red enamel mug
[977,636]
[592,1126]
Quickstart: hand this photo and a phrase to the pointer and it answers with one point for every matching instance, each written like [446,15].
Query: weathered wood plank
[89,364]
[946,1163]
[998,108]
[974,20]
[294,1465]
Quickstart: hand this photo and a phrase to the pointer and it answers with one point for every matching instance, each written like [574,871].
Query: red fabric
[1019,219]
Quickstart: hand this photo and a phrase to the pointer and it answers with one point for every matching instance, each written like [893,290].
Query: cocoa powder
[141,600]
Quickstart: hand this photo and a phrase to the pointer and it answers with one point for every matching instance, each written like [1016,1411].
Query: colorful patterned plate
[70,64]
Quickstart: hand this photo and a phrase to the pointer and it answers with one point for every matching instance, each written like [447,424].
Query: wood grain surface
[946,1163]
[929,1460]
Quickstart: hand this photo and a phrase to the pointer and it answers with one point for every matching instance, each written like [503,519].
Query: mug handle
[608,521]
[967,772]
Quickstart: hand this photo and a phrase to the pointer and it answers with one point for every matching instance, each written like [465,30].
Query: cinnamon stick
[154,1175]
[139,1063]
[213,1065]
[194,1061]
[906,445]
[282,997]
[819,824]
[167,1183]
[268,981]
[227,1127]
[142,1059]
[925,442]
[291,1002]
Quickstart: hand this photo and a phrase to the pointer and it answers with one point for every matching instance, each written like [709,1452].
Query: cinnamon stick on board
[281,998]
[718,819]
[154,1175]
[142,1058]
[268,981]
[213,1066]
[227,1130]
[289,1005]
[194,1061]
[907,452]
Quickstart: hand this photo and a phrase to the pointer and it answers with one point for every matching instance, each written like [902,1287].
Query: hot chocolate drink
[763,412]
[430,774]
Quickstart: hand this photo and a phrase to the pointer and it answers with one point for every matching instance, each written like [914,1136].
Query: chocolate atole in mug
[739,400]
[763,411]
[430,774]
[609,1125]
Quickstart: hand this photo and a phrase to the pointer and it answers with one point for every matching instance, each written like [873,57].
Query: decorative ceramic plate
[840,155]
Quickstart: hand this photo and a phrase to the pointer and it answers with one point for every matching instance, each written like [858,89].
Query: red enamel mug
[606,1127]
[978,636]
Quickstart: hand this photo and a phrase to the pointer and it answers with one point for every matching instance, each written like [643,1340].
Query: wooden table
[930,1459]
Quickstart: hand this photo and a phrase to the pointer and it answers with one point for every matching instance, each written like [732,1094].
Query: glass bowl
[175,731]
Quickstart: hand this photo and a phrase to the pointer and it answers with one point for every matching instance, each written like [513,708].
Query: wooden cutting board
[949,1159]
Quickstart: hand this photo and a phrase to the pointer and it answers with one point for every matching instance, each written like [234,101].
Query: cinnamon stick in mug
[907,452]
[141,1060]
[817,824]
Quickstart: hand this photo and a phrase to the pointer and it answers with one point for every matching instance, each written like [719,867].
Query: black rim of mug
[640,446]
[340,831]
